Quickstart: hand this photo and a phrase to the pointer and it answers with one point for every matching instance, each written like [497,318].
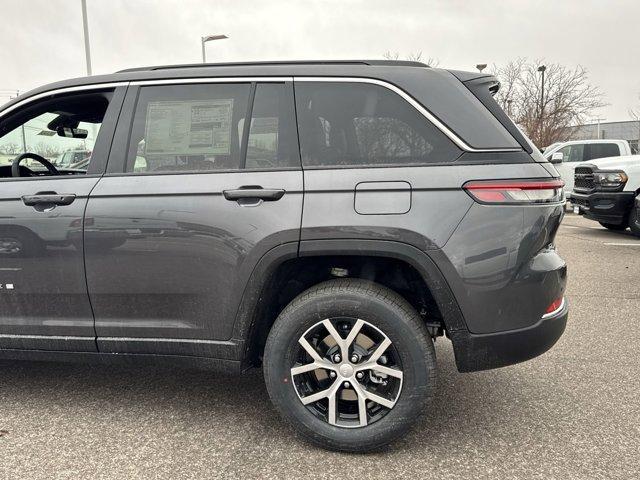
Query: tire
[379,311]
[613,226]
[634,220]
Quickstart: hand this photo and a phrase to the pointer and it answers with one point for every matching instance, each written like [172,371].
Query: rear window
[359,124]
[182,128]
[202,127]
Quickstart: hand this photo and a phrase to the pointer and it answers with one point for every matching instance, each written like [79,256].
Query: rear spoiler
[484,87]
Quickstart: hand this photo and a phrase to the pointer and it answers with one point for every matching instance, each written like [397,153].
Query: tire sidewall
[414,348]
[634,220]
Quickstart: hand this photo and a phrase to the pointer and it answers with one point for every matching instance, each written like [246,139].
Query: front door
[44,303]
[194,196]
[572,155]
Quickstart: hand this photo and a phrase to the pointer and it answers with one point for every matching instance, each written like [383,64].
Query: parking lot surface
[572,413]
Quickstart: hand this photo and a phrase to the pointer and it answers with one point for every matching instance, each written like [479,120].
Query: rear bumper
[492,350]
[606,207]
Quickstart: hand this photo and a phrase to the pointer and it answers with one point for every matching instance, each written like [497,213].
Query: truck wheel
[613,226]
[634,220]
[350,365]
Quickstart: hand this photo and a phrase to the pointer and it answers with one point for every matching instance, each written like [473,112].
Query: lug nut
[355,358]
[359,375]
[337,358]
[332,374]
[347,385]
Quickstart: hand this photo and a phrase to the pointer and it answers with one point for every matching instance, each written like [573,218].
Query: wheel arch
[258,308]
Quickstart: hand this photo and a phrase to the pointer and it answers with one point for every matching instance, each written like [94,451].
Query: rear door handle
[254,193]
[48,198]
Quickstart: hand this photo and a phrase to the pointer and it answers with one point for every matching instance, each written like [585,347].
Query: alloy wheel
[347,372]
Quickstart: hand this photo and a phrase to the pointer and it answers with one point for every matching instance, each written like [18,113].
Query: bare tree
[10,149]
[414,57]
[46,150]
[551,112]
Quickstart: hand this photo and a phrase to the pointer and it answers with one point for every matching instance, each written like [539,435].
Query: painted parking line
[637,244]
[580,226]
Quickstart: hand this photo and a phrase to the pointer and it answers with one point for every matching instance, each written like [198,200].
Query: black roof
[367,68]
[406,74]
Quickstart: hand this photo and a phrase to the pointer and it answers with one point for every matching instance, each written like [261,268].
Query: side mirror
[69,132]
[557,157]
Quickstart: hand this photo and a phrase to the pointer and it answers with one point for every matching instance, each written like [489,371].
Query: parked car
[606,191]
[70,157]
[565,156]
[330,236]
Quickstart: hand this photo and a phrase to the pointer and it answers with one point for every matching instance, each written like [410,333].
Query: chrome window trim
[264,79]
[408,98]
[178,81]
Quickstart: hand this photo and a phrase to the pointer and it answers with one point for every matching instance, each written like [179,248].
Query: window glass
[182,128]
[272,139]
[566,153]
[351,124]
[602,150]
[62,131]
[573,153]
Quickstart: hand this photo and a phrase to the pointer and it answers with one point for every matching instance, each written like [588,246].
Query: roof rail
[390,63]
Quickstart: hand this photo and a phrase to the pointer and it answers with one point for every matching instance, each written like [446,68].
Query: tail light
[554,307]
[510,192]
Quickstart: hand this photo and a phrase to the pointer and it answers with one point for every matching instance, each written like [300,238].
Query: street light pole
[85,27]
[541,69]
[206,39]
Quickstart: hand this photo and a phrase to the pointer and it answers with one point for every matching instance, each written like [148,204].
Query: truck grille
[583,179]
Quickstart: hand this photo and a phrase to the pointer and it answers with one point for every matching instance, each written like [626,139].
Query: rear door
[368,158]
[194,196]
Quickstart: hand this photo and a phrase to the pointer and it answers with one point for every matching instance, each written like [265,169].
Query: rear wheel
[350,365]
[613,226]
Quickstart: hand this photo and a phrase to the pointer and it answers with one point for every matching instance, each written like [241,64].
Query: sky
[41,41]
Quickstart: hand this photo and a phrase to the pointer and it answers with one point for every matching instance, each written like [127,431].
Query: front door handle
[254,193]
[48,198]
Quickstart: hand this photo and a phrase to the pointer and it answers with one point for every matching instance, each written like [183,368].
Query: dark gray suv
[326,220]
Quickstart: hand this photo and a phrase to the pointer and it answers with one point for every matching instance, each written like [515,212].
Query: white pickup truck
[607,191]
[566,155]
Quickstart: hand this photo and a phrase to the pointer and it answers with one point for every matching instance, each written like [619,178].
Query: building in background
[627,130]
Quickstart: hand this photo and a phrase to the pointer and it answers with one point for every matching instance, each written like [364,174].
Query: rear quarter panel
[486,253]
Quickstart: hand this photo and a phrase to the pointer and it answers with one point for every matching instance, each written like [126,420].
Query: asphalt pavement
[572,413]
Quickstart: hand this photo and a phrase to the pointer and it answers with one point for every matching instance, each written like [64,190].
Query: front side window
[62,131]
[353,124]
[573,153]
[577,153]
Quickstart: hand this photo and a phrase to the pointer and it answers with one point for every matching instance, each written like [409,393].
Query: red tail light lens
[515,191]
[554,307]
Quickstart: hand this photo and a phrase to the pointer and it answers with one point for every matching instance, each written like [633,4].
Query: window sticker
[198,127]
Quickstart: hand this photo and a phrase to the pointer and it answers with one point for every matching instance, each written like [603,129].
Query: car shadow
[465,408]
